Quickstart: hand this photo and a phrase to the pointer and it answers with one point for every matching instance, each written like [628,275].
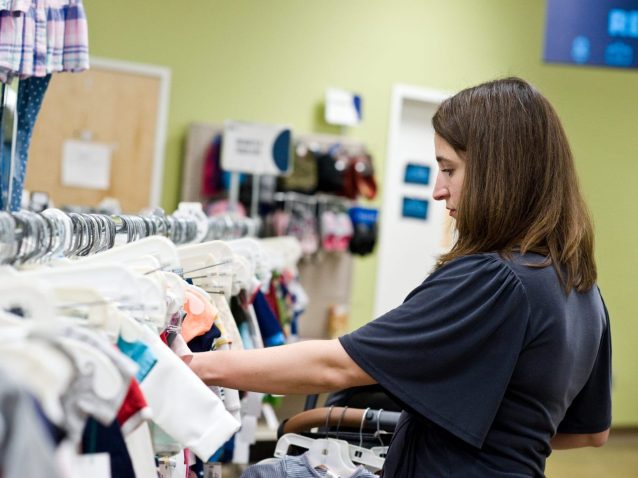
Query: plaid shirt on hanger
[39,37]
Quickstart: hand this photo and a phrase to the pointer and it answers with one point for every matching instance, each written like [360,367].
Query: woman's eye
[447,171]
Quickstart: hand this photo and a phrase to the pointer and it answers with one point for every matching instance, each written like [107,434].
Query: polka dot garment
[30,95]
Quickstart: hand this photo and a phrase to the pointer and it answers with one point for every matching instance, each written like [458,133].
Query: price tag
[95,465]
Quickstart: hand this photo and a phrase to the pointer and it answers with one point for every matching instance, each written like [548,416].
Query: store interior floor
[617,459]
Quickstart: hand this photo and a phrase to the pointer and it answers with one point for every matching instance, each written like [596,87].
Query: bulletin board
[115,103]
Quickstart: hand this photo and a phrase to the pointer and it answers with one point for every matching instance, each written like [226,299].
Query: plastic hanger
[252,250]
[362,455]
[242,274]
[286,248]
[45,370]
[208,265]
[331,453]
[141,296]
[29,296]
[174,290]
[107,380]
[156,246]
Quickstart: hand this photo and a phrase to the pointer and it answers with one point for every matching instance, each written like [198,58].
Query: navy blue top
[489,358]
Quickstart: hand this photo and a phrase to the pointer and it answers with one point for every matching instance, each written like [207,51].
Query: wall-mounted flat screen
[592,32]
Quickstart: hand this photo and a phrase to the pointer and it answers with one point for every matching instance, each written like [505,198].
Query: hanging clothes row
[91,346]
[29,237]
[323,222]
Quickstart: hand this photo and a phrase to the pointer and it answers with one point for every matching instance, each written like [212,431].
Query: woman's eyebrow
[441,159]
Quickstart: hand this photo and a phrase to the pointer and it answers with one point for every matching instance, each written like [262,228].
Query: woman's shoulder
[484,271]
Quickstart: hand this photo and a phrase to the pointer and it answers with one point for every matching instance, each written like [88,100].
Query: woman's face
[449,179]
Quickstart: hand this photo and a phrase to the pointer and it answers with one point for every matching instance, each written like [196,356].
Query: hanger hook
[363,419]
[343,412]
[378,432]
[328,419]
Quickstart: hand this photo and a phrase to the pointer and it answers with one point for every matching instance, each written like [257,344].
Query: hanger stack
[30,237]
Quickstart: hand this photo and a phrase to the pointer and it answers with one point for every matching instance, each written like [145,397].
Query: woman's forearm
[567,441]
[314,366]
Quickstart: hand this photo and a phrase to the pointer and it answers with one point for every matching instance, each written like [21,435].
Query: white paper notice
[86,164]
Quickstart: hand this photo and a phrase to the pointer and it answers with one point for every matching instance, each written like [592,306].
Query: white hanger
[329,452]
[209,264]
[252,250]
[113,282]
[242,274]
[45,370]
[175,288]
[133,253]
[107,379]
[288,248]
[362,455]
[28,295]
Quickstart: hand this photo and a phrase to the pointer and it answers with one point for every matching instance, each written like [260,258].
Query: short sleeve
[448,352]
[590,411]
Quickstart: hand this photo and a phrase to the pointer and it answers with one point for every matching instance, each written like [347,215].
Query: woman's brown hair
[520,189]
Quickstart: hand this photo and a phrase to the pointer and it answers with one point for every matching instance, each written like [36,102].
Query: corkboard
[113,107]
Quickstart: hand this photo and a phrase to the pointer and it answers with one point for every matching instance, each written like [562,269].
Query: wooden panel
[327,282]
[116,108]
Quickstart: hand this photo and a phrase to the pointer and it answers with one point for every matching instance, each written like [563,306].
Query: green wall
[272,60]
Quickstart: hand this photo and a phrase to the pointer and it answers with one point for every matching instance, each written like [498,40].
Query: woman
[503,353]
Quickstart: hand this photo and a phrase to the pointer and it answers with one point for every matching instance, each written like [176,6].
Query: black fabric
[330,172]
[486,357]
[98,438]
[205,342]
[368,396]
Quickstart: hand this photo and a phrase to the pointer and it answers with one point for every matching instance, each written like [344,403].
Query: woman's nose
[441,191]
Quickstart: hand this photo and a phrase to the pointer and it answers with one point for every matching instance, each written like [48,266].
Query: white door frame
[161,122]
[400,239]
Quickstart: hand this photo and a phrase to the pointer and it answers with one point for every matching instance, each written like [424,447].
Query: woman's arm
[313,366]
[565,441]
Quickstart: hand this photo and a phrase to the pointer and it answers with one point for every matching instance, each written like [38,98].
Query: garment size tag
[95,465]
[212,470]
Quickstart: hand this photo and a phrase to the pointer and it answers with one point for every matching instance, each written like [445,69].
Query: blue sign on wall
[415,208]
[592,32]
[417,174]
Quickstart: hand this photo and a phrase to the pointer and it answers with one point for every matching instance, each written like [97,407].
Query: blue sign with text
[592,32]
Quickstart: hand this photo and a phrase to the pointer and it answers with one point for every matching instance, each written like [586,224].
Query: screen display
[592,32]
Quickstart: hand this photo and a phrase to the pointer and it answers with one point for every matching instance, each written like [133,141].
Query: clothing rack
[27,236]
[345,417]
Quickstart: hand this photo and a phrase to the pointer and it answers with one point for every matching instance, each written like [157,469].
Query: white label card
[343,108]
[256,148]
[86,164]
[95,465]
